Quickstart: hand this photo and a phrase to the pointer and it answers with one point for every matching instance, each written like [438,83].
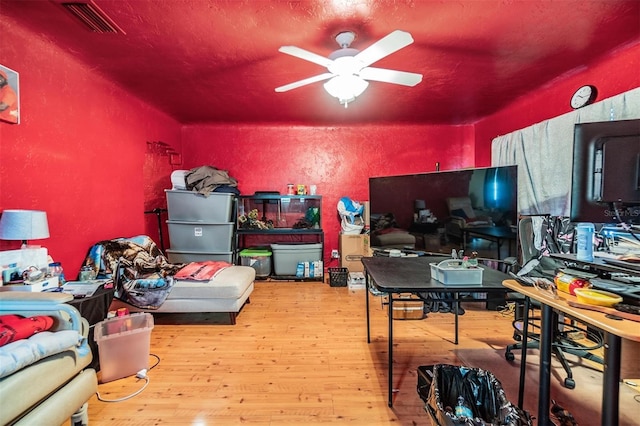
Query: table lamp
[23,225]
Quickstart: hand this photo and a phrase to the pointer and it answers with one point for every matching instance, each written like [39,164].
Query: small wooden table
[614,329]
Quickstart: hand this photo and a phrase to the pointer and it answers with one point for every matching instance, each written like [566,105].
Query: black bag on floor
[440,386]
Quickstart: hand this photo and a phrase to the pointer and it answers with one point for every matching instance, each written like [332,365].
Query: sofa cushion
[229,283]
[462,207]
[21,353]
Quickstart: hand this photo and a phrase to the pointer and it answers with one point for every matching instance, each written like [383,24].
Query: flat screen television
[490,189]
[605,186]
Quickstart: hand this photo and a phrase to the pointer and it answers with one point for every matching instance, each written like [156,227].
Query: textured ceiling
[218,61]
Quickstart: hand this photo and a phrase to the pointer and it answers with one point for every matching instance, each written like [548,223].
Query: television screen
[605,185]
[491,190]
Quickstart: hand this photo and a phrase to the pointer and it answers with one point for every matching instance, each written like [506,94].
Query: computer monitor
[606,172]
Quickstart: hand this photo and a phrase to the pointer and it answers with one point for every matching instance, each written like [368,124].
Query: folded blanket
[201,271]
[145,278]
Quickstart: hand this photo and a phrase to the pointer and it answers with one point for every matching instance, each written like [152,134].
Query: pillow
[460,213]
[16,327]
[383,222]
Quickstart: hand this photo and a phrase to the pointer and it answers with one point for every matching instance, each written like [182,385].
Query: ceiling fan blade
[300,83]
[385,46]
[390,76]
[306,55]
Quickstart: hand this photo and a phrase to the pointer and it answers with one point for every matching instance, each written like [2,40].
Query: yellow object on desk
[597,297]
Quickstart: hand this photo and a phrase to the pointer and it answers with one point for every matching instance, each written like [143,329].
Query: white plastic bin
[179,256]
[191,206]
[287,256]
[200,236]
[259,259]
[123,345]
[452,272]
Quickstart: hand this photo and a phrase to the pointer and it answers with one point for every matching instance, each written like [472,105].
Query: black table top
[413,274]
[493,231]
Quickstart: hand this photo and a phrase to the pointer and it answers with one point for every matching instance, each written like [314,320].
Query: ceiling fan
[349,69]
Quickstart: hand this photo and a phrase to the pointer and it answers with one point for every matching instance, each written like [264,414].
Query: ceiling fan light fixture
[346,88]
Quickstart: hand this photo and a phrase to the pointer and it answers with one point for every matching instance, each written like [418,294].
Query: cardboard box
[353,247]
[408,309]
[366,214]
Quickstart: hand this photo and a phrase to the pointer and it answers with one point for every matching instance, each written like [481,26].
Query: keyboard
[610,285]
[625,278]
[623,264]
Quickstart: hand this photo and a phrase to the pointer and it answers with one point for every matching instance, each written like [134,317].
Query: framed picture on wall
[9,95]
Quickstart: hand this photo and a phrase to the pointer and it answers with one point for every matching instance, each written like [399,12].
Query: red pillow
[16,327]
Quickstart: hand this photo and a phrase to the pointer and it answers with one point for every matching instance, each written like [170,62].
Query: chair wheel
[509,356]
[569,383]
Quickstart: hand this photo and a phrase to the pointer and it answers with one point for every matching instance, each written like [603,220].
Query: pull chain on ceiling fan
[349,69]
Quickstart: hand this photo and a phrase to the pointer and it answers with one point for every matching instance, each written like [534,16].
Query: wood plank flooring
[297,354]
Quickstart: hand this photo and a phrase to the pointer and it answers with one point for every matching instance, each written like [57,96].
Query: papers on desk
[80,289]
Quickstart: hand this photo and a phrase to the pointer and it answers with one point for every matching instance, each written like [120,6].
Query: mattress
[230,283]
[226,292]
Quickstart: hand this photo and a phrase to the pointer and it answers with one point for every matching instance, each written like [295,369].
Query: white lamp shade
[346,87]
[23,225]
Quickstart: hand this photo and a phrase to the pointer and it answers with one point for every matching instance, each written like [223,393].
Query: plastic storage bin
[452,272]
[287,256]
[200,236]
[179,256]
[259,259]
[191,206]
[123,345]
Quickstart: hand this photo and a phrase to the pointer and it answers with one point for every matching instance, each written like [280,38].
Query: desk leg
[546,338]
[366,298]
[390,372]
[523,356]
[611,385]
[456,304]
[465,235]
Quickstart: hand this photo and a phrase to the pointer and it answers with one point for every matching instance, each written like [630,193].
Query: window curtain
[543,153]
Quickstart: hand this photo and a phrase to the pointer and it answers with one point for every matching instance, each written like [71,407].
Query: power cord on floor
[508,309]
[140,375]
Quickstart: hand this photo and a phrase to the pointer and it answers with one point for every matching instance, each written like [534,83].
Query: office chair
[544,267]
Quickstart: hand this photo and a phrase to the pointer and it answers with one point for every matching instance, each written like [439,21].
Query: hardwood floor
[297,354]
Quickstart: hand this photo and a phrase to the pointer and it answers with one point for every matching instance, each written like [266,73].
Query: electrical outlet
[335,254]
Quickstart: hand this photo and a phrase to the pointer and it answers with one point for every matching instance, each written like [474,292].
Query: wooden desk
[395,275]
[615,331]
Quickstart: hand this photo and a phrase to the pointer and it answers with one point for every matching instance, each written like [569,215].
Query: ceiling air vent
[93,17]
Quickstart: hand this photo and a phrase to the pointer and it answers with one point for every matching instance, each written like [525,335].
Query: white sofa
[55,384]
[227,292]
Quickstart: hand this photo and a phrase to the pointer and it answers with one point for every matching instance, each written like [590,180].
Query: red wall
[338,160]
[612,75]
[80,152]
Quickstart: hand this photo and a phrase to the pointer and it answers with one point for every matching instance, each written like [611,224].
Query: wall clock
[583,96]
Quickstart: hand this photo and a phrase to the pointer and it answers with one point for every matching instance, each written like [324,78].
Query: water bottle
[55,270]
[463,409]
[584,236]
